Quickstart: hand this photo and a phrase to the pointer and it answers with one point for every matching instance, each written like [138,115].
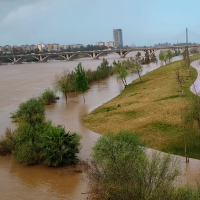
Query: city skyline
[87,21]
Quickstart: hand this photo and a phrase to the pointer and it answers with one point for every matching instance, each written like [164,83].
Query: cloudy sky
[90,21]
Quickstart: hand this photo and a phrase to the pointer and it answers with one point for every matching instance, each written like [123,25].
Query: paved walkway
[195,87]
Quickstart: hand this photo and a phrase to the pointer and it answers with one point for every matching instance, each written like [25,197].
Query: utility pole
[186,36]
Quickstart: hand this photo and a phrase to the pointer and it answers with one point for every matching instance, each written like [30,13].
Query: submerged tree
[165,55]
[81,79]
[162,56]
[147,58]
[169,55]
[65,82]
[138,55]
[153,57]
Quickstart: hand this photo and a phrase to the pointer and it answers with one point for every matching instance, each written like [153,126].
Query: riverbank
[151,108]
[21,82]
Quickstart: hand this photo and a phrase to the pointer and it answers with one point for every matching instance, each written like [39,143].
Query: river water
[21,82]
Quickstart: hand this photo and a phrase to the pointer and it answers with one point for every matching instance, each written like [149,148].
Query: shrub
[27,153]
[7,142]
[29,139]
[120,169]
[31,111]
[48,96]
[65,82]
[36,140]
[44,142]
[90,75]
[60,148]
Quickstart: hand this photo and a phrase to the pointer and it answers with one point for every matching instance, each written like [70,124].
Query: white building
[42,47]
[100,44]
[110,44]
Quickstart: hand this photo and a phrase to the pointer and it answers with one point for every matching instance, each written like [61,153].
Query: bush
[29,139]
[60,148]
[44,142]
[36,140]
[7,142]
[120,169]
[121,144]
[48,96]
[65,82]
[31,111]
[27,153]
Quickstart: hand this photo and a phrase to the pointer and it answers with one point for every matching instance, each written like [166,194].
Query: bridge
[68,56]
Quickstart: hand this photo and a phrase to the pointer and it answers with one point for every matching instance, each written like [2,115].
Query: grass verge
[154,112]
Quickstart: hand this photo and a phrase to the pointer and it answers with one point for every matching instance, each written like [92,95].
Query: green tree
[32,111]
[65,82]
[169,55]
[120,169]
[147,58]
[81,80]
[163,56]
[153,57]
[121,72]
[60,148]
[138,55]
[186,58]
[48,96]
[134,66]
[191,125]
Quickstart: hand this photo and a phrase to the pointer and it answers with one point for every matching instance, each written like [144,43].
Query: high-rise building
[117,36]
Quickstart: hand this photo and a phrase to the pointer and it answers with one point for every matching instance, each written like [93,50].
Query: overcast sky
[90,21]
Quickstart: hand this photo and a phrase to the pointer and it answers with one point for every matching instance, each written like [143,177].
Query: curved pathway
[195,87]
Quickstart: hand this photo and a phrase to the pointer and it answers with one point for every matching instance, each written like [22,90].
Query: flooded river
[21,82]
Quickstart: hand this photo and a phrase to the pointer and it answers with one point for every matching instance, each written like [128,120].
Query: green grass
[171,97]
[133,94]
[106,109]
[131,113]
[152,109]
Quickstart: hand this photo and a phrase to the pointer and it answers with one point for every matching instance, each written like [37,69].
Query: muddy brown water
[21,82]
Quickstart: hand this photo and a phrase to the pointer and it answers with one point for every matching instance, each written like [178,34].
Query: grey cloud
[20,19]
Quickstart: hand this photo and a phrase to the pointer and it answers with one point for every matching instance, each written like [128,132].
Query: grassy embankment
[151,108]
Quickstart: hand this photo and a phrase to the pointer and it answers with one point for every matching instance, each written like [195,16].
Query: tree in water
[81,80]
[65,82]
[153,58]
[166,55]
[163,56]
[169,55]
[138,55]
[147,58]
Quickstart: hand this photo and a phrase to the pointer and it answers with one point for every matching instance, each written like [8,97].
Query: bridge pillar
[69,56]
[41,59]
[122,54]
[14,60]
[95,55]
